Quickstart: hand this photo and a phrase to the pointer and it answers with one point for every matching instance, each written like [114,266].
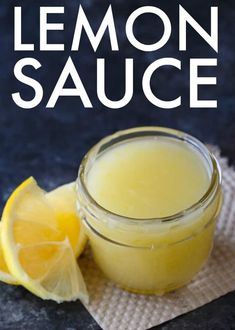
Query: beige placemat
[115,309]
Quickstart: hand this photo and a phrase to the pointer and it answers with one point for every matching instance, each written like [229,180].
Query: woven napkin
[116,309]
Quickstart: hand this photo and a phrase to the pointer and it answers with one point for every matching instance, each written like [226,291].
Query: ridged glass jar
[157,255]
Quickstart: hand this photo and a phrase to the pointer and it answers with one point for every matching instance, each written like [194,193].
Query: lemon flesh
[5,275]
[63,202]
[37,252]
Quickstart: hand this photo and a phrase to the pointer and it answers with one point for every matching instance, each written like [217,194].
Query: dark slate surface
[49,144]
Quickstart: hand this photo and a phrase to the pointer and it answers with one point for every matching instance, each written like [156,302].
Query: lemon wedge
[37,252]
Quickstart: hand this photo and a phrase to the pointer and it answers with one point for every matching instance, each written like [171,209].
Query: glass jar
[157,255]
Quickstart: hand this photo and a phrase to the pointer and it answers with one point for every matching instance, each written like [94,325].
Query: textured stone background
[49,144]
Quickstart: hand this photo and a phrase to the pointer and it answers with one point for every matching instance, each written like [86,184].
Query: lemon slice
[63,201]
[38,254]
[5,275]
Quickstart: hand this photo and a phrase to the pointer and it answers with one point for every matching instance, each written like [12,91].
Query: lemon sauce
[149,198]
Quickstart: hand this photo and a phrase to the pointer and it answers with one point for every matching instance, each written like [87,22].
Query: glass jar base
[157,292]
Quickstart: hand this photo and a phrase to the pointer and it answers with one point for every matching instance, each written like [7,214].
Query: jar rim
[95,208]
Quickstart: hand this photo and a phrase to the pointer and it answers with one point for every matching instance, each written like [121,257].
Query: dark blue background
[49,144]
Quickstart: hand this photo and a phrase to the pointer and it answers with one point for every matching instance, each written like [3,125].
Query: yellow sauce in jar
[141,237]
